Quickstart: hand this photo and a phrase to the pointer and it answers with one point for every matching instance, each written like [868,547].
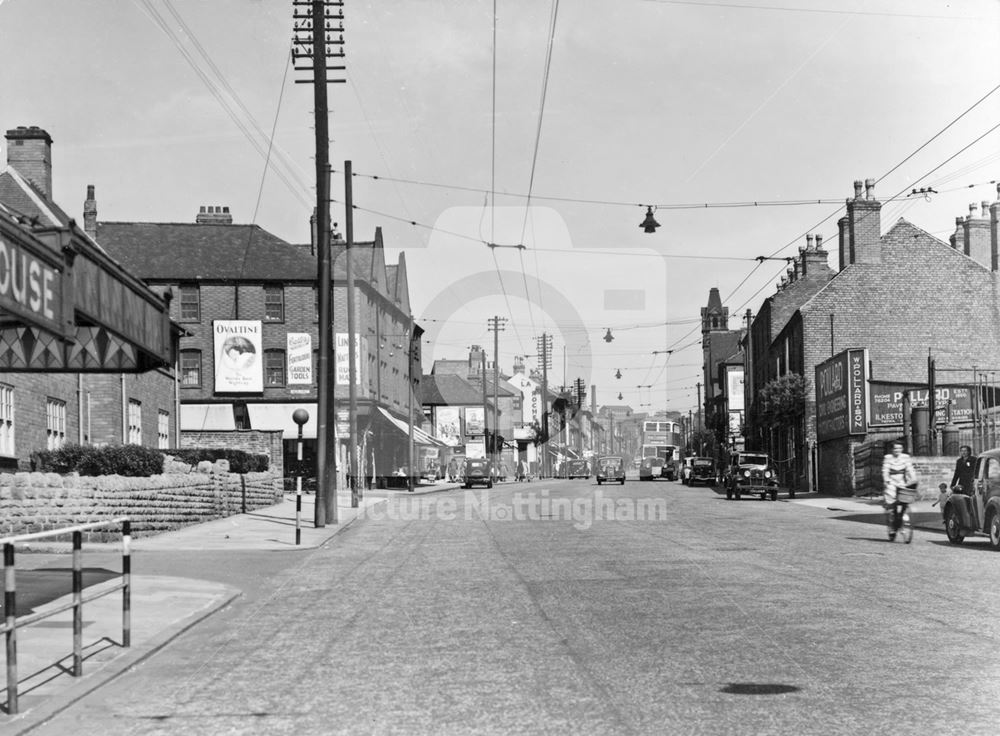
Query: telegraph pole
[545,358]
[352,368]
[313,36]
[496,325]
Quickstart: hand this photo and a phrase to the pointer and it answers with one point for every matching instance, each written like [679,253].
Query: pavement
[163,607]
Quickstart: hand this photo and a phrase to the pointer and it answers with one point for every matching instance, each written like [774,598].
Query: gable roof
[24,198]
[190,251]
[450,390]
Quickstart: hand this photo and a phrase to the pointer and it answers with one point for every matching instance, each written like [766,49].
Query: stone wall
[35,502]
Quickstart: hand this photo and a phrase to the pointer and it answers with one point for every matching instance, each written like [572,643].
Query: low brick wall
[35,502]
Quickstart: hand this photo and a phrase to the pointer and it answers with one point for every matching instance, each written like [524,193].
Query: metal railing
[13,623]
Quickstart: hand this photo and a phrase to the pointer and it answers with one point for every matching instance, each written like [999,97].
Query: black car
[702,471]
[477,471]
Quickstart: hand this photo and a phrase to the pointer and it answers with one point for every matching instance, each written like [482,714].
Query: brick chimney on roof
[813,258]
[29,151]
[975,236]
[864,225]
[994,246]
[214,215]
[955,239]
[90,213]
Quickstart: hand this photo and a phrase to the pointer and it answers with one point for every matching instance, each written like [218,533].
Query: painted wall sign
[238,356]
[344,359]
[886,401]
[299,356]
[841,395]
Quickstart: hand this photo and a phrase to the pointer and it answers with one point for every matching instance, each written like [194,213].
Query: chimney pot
[809,241]
[869,189]
[973,207]
[985,208]
[819,241]
[857,189]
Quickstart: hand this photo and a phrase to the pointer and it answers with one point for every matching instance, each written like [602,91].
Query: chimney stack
[975,236]
[994,245]
[814,257]
[29,151]
[865,225]
[214,215]
[843,244]
[90,214]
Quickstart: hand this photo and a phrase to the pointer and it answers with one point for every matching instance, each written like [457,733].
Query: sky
[546,128]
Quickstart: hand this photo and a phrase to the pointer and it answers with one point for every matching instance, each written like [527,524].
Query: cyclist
[897,472]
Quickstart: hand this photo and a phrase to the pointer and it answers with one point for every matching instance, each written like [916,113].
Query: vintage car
[701,470]
[576,469]
[477,471]
[976,510]
[751,473]
[609,469]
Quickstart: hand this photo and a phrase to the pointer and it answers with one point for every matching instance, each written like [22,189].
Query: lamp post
[300,417]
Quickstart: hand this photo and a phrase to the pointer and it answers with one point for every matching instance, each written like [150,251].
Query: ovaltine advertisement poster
[238,356]
[300,357]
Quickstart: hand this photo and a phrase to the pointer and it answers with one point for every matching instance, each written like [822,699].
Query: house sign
[842,395]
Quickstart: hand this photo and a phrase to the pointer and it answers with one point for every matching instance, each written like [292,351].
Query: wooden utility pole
[313,35]
[545,357]
[353,343]
[496,324]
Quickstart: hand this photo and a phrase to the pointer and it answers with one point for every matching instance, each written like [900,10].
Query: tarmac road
[492,612]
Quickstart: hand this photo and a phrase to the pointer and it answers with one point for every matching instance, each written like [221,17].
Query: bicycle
[898,514]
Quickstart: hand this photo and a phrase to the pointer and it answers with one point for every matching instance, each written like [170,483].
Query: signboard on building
[31,283]
[447,425]
[886,401]
[475,422]
[299,356]
[343,360]
[842,395]
[238,356]
[734,387]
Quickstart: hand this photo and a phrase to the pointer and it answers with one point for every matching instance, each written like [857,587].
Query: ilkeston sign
[842,395]
[886,401]
[30,281]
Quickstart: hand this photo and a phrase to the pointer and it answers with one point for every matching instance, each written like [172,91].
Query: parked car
[702,470]
[751,472]
[477,471]
[576,469]
[610,468]
[977,513]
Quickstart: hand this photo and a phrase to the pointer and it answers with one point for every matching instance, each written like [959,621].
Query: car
[702,470]
[751,473]
[978,513]
[610,468]
[576,469]
[477,471]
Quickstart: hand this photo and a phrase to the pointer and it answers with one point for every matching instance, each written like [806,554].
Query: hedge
[137,461]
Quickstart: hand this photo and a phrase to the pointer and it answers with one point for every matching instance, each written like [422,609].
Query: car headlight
[767,473]
[746,473]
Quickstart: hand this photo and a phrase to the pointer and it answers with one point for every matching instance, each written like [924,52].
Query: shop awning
[419,435]
[279,416]
[195,417]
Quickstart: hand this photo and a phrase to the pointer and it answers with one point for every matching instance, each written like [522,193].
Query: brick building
[119,393]
[902,297]
[240,288]
[719,345]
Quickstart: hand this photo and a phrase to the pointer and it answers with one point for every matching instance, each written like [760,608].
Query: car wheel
[791,494]
[466,486]
[952,527]
[729,493]
[736,492]
[995,530]
[489,484]
[774,495]
[598,481]
[621,482]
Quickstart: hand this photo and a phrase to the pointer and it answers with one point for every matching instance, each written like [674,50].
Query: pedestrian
[965,471]
[452,470]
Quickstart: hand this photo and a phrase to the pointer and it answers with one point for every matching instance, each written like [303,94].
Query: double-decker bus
[660,449]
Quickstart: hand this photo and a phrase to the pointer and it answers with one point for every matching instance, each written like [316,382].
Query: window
[274,303]
[6,419]
[55,423]
[163,430]
[274,367]
[190,302]
[134,422]
[190,367]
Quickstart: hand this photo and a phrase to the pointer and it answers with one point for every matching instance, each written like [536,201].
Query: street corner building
[905,317]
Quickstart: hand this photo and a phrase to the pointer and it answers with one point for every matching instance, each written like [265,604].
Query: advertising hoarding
[475,422]
[238,356]
[299,357]
[447,425]
[842,395]
[886,401]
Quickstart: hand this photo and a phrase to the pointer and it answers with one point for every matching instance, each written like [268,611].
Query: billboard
[734,387]
[447,425]
[343,359]
[299,356]
[238,356]
[475,422]
[886,401]
[842,395]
